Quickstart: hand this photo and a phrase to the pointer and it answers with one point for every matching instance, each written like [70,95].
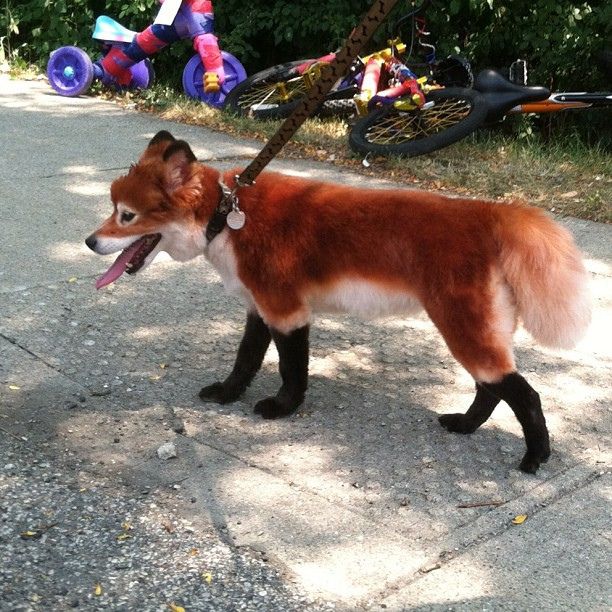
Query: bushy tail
[545,270]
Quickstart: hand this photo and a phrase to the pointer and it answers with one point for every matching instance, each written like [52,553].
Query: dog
[474,266]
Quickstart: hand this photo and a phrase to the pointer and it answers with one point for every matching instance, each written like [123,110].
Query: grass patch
[20,69]
[565,177]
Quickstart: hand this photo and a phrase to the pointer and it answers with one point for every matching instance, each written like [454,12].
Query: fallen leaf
[126,526]
[72,279]
[155,377]
[122,537]
[176,608]
[98,590]
[35,534]
[194,552]
[519,520]
[207,577]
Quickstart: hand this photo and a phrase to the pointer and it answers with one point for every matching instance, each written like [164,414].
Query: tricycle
[209,75]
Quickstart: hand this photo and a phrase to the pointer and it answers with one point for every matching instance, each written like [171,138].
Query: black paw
[457,423]
[531,461]
[272,408]
[219,393]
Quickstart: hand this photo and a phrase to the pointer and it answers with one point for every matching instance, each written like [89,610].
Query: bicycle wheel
[276,92]
[271,93]
[454,114]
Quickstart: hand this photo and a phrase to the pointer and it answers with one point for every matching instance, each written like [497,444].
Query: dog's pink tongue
[118,268]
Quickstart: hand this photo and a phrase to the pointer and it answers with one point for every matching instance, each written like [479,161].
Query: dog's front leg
[251,352]
[293,366]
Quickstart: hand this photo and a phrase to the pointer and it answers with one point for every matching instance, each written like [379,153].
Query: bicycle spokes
[400,126]
[279,92]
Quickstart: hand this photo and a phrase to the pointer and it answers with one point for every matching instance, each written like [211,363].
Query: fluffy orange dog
[307,247]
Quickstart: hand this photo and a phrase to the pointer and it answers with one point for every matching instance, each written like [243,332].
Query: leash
[228,211]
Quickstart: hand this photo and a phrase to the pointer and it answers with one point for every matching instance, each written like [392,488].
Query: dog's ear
[178,158]
[157,145]
[162,136]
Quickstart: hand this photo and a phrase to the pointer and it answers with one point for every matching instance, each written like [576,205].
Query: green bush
[33,28]
[560,39]
[263,34]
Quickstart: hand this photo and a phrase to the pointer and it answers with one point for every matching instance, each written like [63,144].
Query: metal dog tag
[236,219]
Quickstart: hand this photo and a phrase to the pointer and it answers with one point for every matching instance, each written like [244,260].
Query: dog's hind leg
[293,365]
[251,353]
[525,403]
[481,409]
[478,331]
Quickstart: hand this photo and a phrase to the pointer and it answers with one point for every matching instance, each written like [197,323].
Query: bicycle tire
[259,89]
[456,113]
[341,107]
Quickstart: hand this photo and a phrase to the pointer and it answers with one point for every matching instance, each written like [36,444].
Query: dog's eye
[127,216]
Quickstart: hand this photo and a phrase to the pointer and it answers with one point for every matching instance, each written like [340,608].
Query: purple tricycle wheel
[193,79]
[70,71]
[142,74]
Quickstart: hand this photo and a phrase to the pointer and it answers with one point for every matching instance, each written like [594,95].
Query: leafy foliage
[560,40]
[32,28]
[269,33]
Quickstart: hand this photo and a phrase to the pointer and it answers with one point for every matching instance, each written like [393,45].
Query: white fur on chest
[220,254]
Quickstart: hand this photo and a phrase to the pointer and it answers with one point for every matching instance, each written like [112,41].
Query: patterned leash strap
[329,76]
[228,211]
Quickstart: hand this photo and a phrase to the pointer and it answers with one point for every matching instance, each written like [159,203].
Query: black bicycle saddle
[502,95]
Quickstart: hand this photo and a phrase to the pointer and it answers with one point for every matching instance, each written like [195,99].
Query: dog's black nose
[91,241]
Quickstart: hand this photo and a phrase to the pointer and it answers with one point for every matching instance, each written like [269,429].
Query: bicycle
[275,92]
[399,129]
[71,71]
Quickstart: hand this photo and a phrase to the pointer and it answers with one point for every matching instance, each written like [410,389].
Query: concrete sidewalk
[361,500]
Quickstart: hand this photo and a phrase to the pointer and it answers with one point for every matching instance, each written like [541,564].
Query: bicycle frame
[564,101]
[553,102]
[406,89]
[367,71]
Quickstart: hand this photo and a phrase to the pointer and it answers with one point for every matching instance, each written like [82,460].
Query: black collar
[218,221]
